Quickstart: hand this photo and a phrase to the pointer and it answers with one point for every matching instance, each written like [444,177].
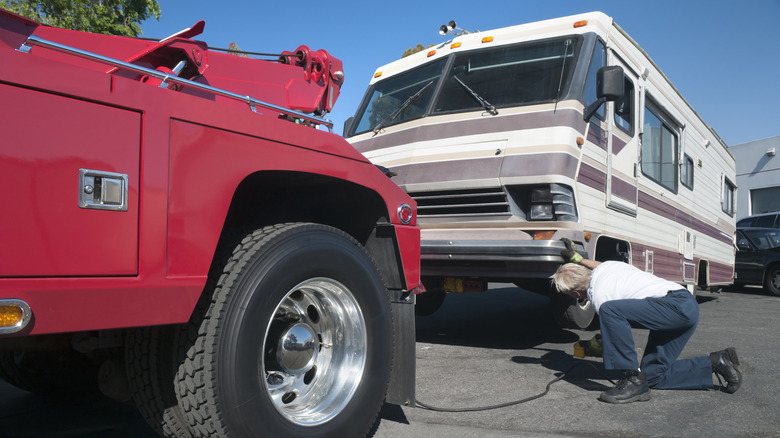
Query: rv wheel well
[609,248]
[703,277]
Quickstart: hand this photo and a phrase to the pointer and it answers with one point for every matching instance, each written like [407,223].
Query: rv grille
[473,202]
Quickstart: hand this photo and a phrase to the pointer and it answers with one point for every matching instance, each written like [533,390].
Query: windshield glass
[499,77]
[509,75]
[388,96]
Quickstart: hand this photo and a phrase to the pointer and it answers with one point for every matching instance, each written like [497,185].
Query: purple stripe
[596,179]
[454,170]
[721,273]
[592,177]
[617,145]
[666,264]
[539,164]
[512,166]
[596,135]
[624,189]
[655,205]
[672,262]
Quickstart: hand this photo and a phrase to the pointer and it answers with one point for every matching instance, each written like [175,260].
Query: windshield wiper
[401,108]
[485,104]
[563,69]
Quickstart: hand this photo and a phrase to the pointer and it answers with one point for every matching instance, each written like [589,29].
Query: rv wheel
[572,313]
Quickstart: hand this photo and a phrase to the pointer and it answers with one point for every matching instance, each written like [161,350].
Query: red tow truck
[180,227]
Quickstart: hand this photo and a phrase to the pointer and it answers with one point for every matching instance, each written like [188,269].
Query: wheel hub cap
[297,349]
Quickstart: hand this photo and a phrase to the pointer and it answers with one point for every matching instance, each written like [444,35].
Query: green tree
[412,50]
[233,49]
[112,17]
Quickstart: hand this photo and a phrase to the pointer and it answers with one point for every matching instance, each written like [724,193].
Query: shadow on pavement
[506,318]
[26,415]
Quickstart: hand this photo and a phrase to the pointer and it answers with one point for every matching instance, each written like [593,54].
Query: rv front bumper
[496,259]
[528,250]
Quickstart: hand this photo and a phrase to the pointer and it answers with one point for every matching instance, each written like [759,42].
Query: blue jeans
[671,319]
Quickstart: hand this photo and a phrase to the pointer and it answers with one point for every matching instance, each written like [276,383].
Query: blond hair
[571,276]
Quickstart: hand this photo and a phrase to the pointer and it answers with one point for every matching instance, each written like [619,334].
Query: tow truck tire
[151,371]
[572,313]
[297,340]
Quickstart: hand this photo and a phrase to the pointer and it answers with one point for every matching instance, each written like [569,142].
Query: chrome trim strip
[34,40]
[491,249]
[27,315]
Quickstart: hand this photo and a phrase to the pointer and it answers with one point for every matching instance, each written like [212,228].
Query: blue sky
[723,56]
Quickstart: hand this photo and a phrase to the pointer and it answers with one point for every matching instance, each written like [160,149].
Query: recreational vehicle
[514,138]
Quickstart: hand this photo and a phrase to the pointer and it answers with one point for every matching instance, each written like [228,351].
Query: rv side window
[686,172]
[729,190]
[659,149]
[624,109]
[598,60]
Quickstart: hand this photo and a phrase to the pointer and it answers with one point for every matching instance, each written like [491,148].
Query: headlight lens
[541,204]
[541,212]
[542,194]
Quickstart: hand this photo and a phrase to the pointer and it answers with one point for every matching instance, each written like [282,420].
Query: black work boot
[724,364]
[632,387]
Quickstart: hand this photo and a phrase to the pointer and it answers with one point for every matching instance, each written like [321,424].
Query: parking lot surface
[500,346]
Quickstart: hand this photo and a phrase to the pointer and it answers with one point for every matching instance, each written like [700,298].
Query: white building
[758,176]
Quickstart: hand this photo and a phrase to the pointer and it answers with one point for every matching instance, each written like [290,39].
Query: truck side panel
[47,139]
[160,245]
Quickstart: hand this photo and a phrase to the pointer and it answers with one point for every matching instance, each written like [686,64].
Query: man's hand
[570,254]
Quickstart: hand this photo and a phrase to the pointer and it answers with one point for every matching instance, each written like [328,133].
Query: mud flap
[400,390]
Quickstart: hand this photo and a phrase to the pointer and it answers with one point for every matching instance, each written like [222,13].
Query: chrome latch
[102,190]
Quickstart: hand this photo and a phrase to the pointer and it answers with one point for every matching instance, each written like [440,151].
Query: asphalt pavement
[502,346]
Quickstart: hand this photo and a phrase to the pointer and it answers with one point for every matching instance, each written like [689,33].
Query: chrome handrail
[34,40]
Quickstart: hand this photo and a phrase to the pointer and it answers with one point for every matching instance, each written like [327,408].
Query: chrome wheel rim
[314,352]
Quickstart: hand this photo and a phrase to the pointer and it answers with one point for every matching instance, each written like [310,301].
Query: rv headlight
[541,204]
[541,212]
[542,194]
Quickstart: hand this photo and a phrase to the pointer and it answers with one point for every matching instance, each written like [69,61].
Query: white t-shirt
[618,281]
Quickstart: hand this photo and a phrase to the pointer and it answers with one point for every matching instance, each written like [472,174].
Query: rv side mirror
[609,88]
[610,83]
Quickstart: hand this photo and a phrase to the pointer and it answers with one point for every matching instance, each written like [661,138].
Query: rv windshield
[509,75]
[499,77]
[400,93]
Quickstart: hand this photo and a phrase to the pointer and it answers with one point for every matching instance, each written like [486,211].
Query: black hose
[512,403]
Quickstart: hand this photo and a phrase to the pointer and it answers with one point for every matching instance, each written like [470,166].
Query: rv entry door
[622,145]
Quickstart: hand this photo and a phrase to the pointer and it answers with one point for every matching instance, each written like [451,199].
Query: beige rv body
[472,172]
